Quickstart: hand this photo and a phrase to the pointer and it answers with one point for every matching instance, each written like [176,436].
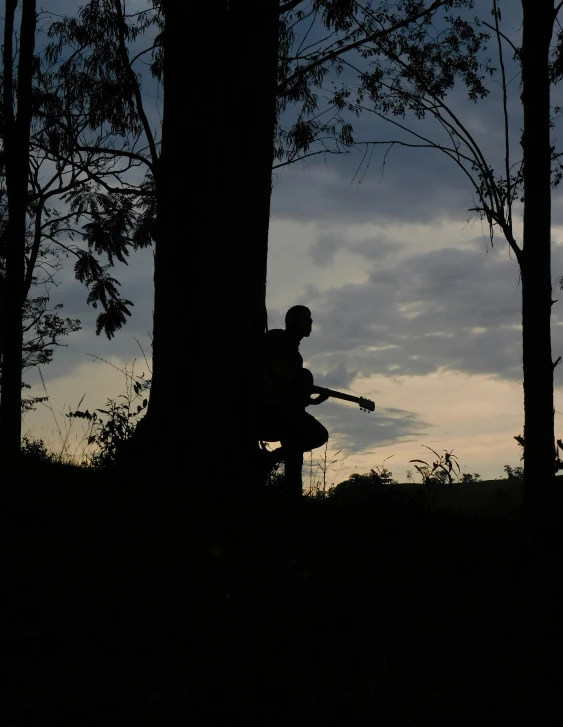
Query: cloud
[136,285]
[324,249]
[375,248]
[385,182]
[355,431]
[451,309]
[328,244]
[330,193]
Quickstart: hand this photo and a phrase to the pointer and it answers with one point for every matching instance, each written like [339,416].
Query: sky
[413,307]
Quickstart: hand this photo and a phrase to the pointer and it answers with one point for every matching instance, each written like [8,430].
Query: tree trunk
[211,241]
[16,150]
[539,439]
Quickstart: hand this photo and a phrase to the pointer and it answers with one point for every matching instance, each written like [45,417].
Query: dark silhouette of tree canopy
[66,213]
[43,328]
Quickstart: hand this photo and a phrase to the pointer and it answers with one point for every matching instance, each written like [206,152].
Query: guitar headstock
[366,404]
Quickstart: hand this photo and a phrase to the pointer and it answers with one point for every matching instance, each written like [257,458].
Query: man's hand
[319,400]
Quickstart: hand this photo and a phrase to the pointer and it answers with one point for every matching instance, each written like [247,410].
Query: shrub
[34,451]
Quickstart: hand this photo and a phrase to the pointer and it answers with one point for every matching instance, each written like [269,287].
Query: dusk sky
[412,305]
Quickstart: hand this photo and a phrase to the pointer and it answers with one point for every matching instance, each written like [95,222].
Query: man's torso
[280,367]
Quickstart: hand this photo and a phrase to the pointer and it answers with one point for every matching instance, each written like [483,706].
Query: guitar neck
[336,394]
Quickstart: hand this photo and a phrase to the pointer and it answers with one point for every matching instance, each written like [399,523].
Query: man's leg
[312,433]
[304,433]
[293,466]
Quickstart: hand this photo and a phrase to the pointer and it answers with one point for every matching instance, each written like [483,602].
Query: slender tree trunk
[539,446]
[213,187]
[16,149]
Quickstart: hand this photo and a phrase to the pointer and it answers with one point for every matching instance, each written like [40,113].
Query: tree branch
[306,156]
[35,245]
[456,126]
[517,51]
[101,151]
[289,6]
[505,114]
[134,82]
[142,53]
[375,36]
[118,152]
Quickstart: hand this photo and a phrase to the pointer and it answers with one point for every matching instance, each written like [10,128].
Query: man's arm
[318,400]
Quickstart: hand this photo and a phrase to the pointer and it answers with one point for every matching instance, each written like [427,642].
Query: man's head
[298,321]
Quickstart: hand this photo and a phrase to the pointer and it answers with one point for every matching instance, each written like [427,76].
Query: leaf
[432,450]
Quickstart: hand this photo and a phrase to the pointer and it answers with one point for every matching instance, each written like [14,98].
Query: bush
[514,473]
[468,477]
[34,451]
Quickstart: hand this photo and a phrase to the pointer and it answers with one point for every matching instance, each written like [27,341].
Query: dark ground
[124,603]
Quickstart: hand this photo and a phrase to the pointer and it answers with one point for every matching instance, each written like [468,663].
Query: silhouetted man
[284,390]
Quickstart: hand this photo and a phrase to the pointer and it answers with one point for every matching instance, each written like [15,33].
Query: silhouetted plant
[439,472]
[318,486]
[109,431]
[558,461]
[376,483]
[514,473]
[468,477]
[118,420]
[34,451]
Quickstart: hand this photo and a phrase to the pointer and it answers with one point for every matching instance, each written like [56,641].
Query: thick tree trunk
[539,447]
[16,149]
[214,186]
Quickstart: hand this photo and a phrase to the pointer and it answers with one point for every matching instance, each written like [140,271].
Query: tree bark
[16,149]
[539,439]
[214,188]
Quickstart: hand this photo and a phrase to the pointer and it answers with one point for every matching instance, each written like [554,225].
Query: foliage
[43,331]
[68,198]
[43,327]
[558,461]
[469,478]
[87,99]
[34,451]
[514,473]
[109,428]
[28,404]
[356,39]
[439,472]
[318,471]
[379,477]
[377,483]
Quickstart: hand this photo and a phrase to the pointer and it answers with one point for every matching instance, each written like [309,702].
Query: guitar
[364,404]
[300,392]
[308,388]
